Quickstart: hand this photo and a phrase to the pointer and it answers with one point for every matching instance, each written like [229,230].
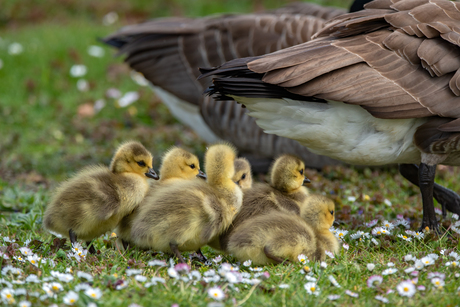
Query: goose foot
[448,199]
[426,182]
[176,252]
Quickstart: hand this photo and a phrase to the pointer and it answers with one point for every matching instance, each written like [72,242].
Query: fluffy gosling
[285,193]
[272,238]
[188,214]
[319,213]
[97,198]
[177,164]
[243,176]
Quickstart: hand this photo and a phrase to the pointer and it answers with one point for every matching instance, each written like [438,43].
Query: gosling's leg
[176,252]
[72,236]
[448,199]
[269,255]
[90,247]
[125,244]
[199,256]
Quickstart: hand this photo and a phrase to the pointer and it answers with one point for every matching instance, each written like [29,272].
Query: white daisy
[70,298]
[84,275]
[25,304]
[77,71]
[382,299]
[311,288]
[140,278]
[370,266]
[156,262]
[406,288]
[333,281]
[94,293]
[352,294]
[333,297]
[302,258]
[427,261]
[216,293]
[389,271]
[374,280]
[438,282]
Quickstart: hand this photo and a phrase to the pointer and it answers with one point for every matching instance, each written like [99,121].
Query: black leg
[72,236]
[426,181]
[448,199]
[176,252]
[199,256]
[90,247]
[125,244]
[273,257]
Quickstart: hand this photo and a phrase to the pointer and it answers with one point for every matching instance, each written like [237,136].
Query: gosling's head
[319,212]
[287,174]
[243,176]
[219,163]
[132,157]
[179,163]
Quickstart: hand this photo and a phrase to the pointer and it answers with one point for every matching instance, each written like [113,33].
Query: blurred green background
[48,127]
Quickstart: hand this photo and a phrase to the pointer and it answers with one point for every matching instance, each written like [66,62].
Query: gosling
[97,198]
[319,213]
[279,236]
[272,239]
[285,193]
[177,164]
[188,214]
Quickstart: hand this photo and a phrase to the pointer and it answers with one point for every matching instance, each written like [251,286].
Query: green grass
[44,138]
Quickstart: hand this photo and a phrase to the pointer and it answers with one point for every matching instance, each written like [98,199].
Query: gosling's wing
[396,59]
[169,51]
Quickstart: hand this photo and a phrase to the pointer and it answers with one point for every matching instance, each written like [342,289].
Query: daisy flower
[283,286]
[409,270]
[409,257]
[370,266]
[216,293]
[310,278]
[65,277]
[330,254]
[302,258]
[346,246]
[130,272]
[419,264]
[25,304]
[94,293]
[374,280]
[156,262]
[454,255]
[372,223]
[78,71]
[140,278]
[248,263]
[373,240]
[352,294]
[437,274]
[385,231]
[25,251]
[387,202]
[323,264]
[341,233]
[70,298]
[121,284]
[421,288]
[333,297]
[217,259]
[406,288]
[389,271]
[334,281]
[311,288]
[7,295]
[437,282]
[33,259]
[433,256]
[377,231]
[382,299]
[452,263]
[388,225]
[427,261]
[32,278]
[405,238]
[418,235]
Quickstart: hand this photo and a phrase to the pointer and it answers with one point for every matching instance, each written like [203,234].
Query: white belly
[187,113]
[341,131]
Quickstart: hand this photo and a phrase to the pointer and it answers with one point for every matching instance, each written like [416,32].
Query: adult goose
[375,87]
[169,51]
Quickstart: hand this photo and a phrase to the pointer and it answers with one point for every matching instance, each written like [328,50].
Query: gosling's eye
[244,176]
[192,166]
[301,172]
[141,163]
[332,212]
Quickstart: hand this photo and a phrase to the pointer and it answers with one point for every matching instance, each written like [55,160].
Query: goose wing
[396,59]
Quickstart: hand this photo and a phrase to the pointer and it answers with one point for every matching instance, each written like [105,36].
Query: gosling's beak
[151,174]
[306,180]
[201,174]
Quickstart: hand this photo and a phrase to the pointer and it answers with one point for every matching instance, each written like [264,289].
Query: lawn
[54,121]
